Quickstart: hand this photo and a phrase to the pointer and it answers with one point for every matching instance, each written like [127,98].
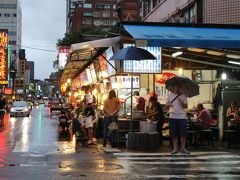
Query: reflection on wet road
[35,148]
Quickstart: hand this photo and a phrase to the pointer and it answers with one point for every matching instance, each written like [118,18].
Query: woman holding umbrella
[180,88]
[176,103]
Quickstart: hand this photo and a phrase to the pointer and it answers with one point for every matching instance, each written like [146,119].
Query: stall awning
[82,54]
[184,35]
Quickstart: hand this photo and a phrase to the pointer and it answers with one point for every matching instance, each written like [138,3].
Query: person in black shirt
[2,108]
[157,115]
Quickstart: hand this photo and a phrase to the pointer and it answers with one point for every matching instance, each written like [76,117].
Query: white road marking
[182,158]
[186,162]
[166,154]
[222,176]
[20,147]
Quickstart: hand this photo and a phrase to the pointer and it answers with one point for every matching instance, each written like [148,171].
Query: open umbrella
[132,53]
[188,87]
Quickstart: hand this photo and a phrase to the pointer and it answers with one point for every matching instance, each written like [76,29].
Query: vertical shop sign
[3,58]
[62,57]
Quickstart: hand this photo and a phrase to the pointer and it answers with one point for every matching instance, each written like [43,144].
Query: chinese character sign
[145,66]
[62,57]
[3,58]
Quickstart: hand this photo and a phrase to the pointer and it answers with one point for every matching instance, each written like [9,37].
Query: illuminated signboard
[3,58]
[103,65]
[124,82]
[109,53]
[89,76]
[145,66]
[8,91]
[62,57]
[93,73]
[84,78]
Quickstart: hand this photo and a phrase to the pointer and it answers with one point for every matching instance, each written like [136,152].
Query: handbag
[112,126]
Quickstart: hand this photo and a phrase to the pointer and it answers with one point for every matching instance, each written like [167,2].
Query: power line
[39,49]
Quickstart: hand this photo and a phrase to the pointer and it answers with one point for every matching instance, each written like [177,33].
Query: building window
[12,33]
[88,21]
[7,15]
[83,22]
[14,15]
[88,14]
[156,2]
[106,22]
[12,42]
[106,14]
[96,14]
[99,6]
[87,5]
[8,6]
[107,6]
[114,6]
[146,8]
[115,14]
[97,22]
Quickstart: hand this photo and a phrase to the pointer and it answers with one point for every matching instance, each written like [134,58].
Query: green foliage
[70,38]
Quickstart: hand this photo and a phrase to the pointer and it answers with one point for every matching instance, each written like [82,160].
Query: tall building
[70,10]
[11,20]
[30,66]
[29,73]
[191,11]
[92,13]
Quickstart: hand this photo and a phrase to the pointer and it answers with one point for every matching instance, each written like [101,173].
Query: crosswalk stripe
[181,158]
[208,176]
[215,164]
[165,154]
[187,162]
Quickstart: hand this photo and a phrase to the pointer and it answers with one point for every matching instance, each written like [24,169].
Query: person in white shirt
[176,104]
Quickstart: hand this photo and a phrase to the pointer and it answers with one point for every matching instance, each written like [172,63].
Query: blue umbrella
[132,53]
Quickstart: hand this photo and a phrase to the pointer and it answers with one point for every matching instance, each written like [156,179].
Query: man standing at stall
[176,104]
[140,102]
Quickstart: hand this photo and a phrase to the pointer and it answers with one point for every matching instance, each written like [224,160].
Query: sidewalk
[165,148]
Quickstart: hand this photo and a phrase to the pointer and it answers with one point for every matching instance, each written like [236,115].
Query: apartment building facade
[93,13]
[11,20]
[191,11]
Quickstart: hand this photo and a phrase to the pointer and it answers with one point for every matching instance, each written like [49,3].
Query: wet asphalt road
[35,148]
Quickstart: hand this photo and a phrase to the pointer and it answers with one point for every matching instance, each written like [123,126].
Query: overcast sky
[44,21]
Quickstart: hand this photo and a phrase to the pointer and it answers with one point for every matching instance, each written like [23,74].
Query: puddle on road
[97,166]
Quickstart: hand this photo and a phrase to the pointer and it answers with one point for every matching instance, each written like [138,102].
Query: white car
[20,108]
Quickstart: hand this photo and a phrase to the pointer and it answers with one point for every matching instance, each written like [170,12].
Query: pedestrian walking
[89,113]
[176,104]
[156,114]
[110,109]
[2,108]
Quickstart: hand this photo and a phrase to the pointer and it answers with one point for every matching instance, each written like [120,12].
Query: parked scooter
[79,130]
[65,119]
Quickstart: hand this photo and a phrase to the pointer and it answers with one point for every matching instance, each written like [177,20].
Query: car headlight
[12,110]
[26,109]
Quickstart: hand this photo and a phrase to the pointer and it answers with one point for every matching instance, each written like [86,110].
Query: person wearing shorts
[89,112]
[176,104]
[2,108]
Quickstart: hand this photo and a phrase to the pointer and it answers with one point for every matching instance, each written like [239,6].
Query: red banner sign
[3,58]
[161,78]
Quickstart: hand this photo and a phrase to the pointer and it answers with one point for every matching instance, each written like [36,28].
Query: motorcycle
[79,130]
[65,119]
